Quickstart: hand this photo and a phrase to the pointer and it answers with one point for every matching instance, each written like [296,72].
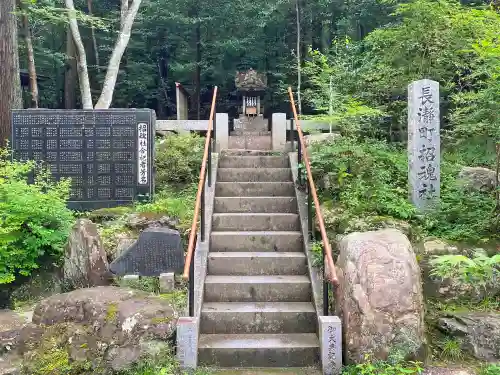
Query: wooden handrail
[201,186]
[332,274]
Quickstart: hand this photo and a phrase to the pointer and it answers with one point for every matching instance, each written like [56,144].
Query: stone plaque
[107,154]
[157,251]
[424,143]
[187,341]
[330,341]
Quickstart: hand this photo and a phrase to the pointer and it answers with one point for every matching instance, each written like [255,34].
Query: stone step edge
[258,341]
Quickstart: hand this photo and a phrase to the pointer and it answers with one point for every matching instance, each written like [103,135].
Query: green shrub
[34,219]
[368,181]
[178,159]
[493,369]
[479,272]
[370,367]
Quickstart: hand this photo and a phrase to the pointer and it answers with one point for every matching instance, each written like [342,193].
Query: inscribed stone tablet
[157,251]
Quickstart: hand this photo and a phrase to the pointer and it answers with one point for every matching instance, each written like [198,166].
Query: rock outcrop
[478,333]
[477,178]
[380,299]
[102,328]
[85,262]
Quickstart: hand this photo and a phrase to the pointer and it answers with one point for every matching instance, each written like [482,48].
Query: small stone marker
[187,341]
[158,250]
[330,341]
[167,282]
[424,143]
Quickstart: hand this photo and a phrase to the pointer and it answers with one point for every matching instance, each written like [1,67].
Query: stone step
[242,152]
[257,263]
[254,189]
[255,222]
[276,288]
[255,204]
[251,142]
[254,162]
[258,317]
[257,241]
[254,175]
[258,350]
[250,132]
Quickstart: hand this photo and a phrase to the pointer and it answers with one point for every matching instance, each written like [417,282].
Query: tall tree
[10,85]
[26,33]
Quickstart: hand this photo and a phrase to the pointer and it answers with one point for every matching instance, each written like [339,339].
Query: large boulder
[104,327]
[320,137]
[16,332]
[478,333]
[380,299]
[477,178]
[85,262]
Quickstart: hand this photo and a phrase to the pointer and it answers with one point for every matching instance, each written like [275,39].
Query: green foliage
[371,367]
[178,159]
[451,349]
[173,202]
[146,284]
[368,181]
[35,222]
[317,254]
[479,272]
[491,369]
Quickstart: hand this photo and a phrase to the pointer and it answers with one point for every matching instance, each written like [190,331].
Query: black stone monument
[158,250]
[108,154]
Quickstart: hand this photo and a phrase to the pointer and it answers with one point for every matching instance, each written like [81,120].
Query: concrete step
[254,162]
[255,222]
[242,152]
[254,175]
[250,132]
[311,370]
[257,263]
[255,204]
[276,288]
[251,142]
[258,317]
[254,189]
[257,241]
[259,350]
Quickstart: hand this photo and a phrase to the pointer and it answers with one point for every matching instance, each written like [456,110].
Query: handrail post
[309,213]
[299,162]
[209,164]
[191,289]
[326,297]
[202,213]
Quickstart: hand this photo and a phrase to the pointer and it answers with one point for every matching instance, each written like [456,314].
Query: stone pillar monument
[424,143]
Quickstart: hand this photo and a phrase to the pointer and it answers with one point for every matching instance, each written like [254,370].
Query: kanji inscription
[107,153]
[424,143]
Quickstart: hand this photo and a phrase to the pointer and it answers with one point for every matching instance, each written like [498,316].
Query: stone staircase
[250,133]
[257,309]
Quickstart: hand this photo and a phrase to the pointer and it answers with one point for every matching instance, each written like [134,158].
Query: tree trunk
[10,85]
[94,39]
[83,74]
[198,70]
[299,78]
[71,74]
[108,88]
[31,58]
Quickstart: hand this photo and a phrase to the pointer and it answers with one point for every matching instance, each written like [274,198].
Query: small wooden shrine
[251,85]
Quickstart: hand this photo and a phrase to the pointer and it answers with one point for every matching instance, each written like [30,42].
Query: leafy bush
[178,159]
[34,219]
[370,367]
[479,272]
[368,181]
